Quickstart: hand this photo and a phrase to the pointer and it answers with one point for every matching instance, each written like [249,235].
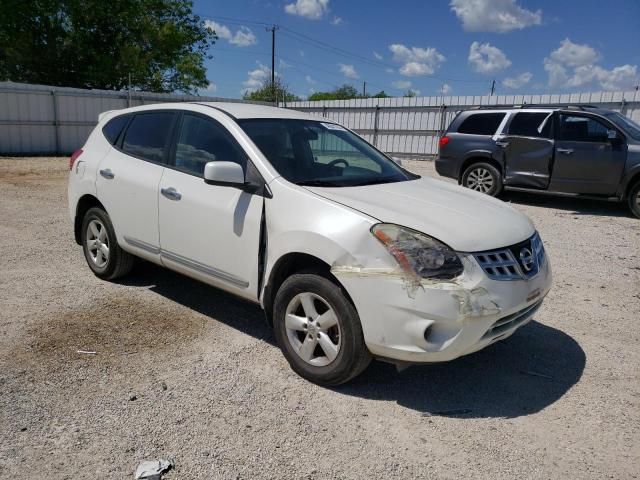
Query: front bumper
[437,321]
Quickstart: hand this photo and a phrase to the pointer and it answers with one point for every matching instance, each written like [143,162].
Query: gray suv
[579,151]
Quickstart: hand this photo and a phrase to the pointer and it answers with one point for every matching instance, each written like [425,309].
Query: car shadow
[518,376]
[574,206]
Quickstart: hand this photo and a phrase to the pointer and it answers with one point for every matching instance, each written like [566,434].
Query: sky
[451,47]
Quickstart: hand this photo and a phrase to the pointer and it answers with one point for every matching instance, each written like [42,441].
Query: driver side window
[203,140]
[575,128]
[330,149]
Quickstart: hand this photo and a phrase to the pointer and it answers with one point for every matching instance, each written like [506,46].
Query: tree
[381,94]
[278,92]
[161,44]
[410,93]
[345,92]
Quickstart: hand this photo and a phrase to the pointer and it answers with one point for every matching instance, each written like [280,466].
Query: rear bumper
[441,321]
[446,167]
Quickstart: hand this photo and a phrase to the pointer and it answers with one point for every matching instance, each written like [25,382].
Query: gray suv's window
[481,123]
[528,124]
[574,128]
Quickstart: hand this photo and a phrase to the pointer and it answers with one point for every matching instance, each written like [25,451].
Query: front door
[528,150]
[208,231]
[128,179]
[586,160]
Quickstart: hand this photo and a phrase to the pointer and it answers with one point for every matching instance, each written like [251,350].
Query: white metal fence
[40,119]
[410,127]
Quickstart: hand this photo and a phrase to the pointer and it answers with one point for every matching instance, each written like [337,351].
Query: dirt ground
[186,372]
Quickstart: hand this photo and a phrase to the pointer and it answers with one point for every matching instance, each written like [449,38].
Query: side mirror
[228,174]
[612,135]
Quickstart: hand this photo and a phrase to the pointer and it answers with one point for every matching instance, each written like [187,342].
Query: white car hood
[465,220]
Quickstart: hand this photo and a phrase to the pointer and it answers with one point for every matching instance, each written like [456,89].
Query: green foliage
[381,94]
[345,92]
[98,44]
[410,93]
[278,92]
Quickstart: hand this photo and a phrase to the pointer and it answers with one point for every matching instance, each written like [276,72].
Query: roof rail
[533,105]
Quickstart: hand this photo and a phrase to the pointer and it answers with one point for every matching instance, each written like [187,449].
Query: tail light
[74,157]
[443,141]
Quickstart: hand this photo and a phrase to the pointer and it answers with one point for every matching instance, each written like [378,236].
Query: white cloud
[336,21]
[377,55]
[311,9]
[485,58]
[310,80]
[519,81]
[401,84]
[416,60]
[574,55]
[348,71]
[256,78]
[445,89]
[211,89]
[282,64]
[389,70]
[574,65]
[243,37]
[494,15]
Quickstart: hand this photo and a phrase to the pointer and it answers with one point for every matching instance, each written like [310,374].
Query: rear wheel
[484,178]
[318,330]
[634,199]
[101,250]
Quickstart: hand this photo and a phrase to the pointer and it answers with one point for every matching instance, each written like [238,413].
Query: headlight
[417,253]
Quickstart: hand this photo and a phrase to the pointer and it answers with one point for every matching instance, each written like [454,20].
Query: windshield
[628,125]
[315,153]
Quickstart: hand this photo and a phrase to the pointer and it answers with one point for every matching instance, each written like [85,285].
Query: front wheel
[484,178]
[318,330]
[634,199]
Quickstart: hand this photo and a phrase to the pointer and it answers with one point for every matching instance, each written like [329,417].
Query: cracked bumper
[440,321]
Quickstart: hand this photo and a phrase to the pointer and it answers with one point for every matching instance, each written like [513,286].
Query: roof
[250,110]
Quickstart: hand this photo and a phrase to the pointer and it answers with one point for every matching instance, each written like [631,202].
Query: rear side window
[147,135]
[481,123]
[529,124]
[112,129]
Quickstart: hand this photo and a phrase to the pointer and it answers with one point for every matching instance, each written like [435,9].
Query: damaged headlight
[417,253]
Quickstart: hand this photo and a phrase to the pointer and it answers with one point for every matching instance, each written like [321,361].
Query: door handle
[502,143]
[107,173]
[566,151]
[171,193]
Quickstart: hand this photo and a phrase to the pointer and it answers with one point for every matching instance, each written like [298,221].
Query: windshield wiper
[374,181]
[316,183]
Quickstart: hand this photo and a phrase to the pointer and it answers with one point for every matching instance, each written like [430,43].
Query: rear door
[128,179]
[528,149]
[586,160]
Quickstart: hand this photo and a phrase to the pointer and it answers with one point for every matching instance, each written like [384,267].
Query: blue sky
[453,46]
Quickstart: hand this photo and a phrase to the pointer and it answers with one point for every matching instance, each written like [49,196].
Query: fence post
[56,126]
[375,126]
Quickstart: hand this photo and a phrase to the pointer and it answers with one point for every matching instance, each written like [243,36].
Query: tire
[293,328]
[484,178]
[633,199]
[107,264]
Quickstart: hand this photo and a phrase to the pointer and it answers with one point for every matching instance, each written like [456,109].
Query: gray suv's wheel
[484,178]
[101,250]
[318,330]
[634,199]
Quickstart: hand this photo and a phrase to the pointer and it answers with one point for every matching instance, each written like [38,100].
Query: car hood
[465,220]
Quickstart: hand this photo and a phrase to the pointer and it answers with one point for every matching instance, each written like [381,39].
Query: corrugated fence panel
[40,119]
[411,126]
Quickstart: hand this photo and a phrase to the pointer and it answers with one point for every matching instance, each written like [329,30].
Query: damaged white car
[351,256]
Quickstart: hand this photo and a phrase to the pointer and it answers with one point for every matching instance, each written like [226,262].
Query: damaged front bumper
[434,321]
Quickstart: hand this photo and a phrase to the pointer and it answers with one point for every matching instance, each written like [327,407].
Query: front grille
[521,261]
[511,321]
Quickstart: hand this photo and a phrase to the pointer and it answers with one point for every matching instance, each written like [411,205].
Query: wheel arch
[479,157]
[85,202]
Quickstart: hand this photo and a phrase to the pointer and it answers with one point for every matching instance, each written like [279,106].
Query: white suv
[350,255]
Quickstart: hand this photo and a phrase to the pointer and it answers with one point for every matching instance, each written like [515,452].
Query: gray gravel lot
[186,372]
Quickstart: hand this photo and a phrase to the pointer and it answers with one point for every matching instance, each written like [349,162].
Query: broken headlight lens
[417,253]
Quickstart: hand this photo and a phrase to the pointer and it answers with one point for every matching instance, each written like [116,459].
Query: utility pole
[493,87]
[364,89]
[273,29]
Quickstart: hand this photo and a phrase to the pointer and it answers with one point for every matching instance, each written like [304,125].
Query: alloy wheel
[480,180]
[313,329]
[98,243]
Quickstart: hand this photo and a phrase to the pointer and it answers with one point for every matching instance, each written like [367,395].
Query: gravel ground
[185,372]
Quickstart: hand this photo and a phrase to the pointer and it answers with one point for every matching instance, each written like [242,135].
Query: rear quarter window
[114,127]
[481,123]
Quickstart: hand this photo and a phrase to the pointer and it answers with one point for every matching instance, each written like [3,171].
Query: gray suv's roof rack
[534,105]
